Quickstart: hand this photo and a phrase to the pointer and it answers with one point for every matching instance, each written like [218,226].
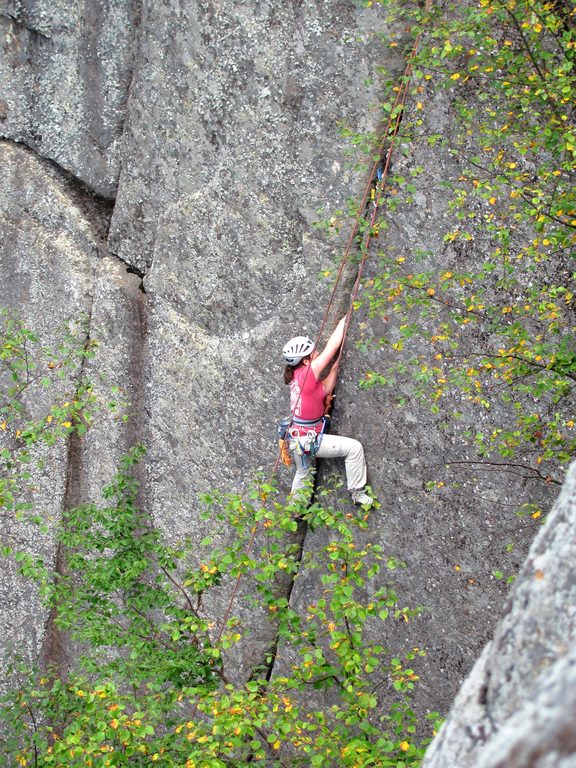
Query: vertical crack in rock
[285,587]
[340,306]
[56,650]
[135,296]
[118,322]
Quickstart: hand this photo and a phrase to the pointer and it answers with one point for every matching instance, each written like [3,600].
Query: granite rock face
[234,108]
[242,151]
[48,257]
[518,706]
[213,131]
[65,71]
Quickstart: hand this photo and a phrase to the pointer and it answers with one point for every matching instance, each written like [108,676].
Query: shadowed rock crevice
[20,18]
[285,586]
[95,208]
[57,652]
[66,71]
[118,316]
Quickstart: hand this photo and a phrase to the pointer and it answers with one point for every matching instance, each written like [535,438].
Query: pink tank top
[306,394]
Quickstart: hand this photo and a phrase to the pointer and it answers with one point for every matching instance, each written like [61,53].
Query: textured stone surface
[65,70]
[48,256]
[230,146]
[518,706]
[452,539]
[235,108]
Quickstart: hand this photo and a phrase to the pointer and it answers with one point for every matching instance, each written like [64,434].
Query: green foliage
[32,374]
[121,580]
[491,320]
[151,687]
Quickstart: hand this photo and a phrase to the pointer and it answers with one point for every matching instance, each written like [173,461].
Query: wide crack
[58,650]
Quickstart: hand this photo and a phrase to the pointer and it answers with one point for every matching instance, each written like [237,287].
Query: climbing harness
[305,437]
[302,436]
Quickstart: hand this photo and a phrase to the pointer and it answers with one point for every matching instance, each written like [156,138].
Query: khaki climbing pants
[333,447]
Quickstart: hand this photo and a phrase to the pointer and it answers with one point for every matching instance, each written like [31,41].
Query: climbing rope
[372,197]
[367,212]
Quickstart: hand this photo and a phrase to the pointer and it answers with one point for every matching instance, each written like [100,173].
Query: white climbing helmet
[297,348]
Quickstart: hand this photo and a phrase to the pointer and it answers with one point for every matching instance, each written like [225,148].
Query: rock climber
[308,393]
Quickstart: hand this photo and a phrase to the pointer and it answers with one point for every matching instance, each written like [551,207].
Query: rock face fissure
[66,71]
[57,653]
[118,302]
[56,267]
[340,305]
[285,590]
[95,207]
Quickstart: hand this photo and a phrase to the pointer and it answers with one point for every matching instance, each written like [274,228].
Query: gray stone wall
[164,164]
[518,705]
[65,71]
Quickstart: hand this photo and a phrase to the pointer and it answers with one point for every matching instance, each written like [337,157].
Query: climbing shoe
[362,498]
